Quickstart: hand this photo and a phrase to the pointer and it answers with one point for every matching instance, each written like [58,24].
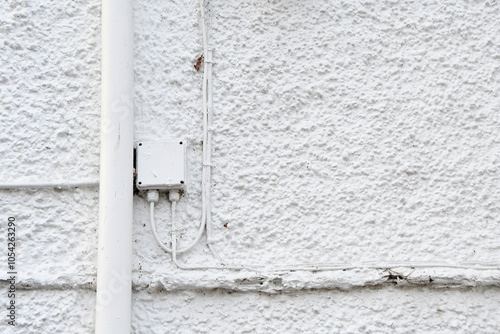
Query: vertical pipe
[114,267]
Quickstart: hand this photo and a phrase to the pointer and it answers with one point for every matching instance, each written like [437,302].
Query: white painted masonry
[344,132]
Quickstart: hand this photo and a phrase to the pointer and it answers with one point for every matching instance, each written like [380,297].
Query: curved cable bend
[173,200]
[161,244]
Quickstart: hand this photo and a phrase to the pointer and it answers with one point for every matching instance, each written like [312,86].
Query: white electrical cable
[155,233]
[174,196]
[56,185]
[208,131]
[304,267]
[203,26]
[207,113]
[383,265]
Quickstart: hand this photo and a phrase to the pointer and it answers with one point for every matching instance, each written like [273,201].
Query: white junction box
[161,165]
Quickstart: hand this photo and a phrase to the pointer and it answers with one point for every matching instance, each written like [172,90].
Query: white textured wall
[343,132]
[49,131]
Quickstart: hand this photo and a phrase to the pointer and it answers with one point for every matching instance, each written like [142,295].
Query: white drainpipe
[114,268]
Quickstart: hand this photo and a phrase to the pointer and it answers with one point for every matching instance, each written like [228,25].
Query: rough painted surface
[357,131]
[49,311]
[343,132]
[359,311]
[49,121]
[56,235]
[49,90]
